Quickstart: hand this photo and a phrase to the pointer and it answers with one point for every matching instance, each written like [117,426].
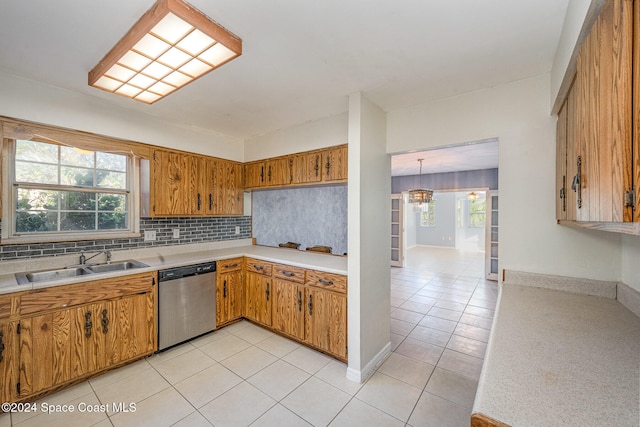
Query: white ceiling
[471,156]
[301,58]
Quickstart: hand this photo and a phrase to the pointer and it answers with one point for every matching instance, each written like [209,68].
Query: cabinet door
[173,183]
[326,321]
[334,163]
[229,188]
[288,308]
[135,326]
[210,188]
[229,299]
[45,351]
[8,379]
[604,77]
[278,171]
[306,168]
[257,298]
[254,175]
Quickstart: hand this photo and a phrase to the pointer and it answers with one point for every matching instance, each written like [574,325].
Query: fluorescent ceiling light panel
[172,45]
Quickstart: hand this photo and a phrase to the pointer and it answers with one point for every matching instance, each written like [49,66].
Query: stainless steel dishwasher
[186,303]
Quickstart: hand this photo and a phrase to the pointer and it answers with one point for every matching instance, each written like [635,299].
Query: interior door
[397,230]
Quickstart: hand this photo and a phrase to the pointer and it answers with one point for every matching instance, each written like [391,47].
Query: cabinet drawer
[257,266]
[330,281]
[82,293]
[289,273]
[5,306]
[226,265]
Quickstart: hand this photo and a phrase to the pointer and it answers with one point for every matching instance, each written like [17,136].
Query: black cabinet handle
[328,165]
[234,265]
[199,201]
[310,305]
[105,322]
[87,324]
[288,273]
[575,185]
[325,282]
[258,267]
[210,201]
[224,289]
[262,174]
[299,301]
[269,173]
[267,291]
[317,167]
[1,347]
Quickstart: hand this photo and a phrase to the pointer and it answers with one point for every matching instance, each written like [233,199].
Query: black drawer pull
[258,267]
[87,324]
[289,274]
[234,265]
[325,282]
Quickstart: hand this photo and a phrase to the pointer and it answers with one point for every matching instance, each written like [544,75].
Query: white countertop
[556,358]
[158,258]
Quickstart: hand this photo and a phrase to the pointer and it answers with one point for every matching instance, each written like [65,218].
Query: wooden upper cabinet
[172,182]
[185,184]
[334,164]
[561,164]
[306,168]
[603,115]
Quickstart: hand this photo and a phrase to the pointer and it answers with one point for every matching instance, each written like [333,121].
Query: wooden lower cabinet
[257,298]
[63,345]
[288,308]
[7,360]
[326,321]
[229,296]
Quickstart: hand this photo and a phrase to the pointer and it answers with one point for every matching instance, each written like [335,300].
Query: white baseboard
[361,376]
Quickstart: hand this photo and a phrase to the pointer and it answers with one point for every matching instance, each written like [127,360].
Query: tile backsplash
[192,230]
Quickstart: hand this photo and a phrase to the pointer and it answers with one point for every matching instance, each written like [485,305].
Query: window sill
[31,239]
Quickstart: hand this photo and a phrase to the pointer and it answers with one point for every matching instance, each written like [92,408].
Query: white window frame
[9,236]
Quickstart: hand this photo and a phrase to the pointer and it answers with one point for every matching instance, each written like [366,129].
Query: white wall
[324,132]
[517,114]
[630,257]
[369,191]
[34,101]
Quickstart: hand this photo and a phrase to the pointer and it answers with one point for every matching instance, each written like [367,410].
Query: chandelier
[420,195]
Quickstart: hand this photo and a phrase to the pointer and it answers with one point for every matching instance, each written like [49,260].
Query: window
[428,214]
[477,213]
[65,191]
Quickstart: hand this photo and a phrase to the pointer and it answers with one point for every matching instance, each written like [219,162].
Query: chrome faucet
[84,259]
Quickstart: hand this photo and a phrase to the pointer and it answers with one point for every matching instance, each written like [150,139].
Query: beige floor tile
[460,363]
[103,423]
[450,305]
[248,362]
[416,307]
[403,368]
[438,323]
[480,322]
[358,413]
[239,406]
[202,388]
[432,336]
[209,338]
[420,350]
[479,311]
[236,326]
[473,332]
[308,360]
[5,420]
[434,411]
[406,315]
[279,379]
[444,313]
[134,388]
[62,397]
[277,345]
[81,415]
[400,327]
[170,353]
[390,395]
[253,334]
[467,346]
[121,373]
[185,365]
[162,409]
[195,419]
[225,347]
[316,401]
[423,299]
[396,340]
[279,416]
[453,387]
[335,373]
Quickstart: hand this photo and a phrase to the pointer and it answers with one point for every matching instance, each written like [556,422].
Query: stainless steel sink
[116,266]
[77,270]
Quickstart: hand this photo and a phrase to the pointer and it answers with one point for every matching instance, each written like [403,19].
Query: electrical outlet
[149,235]
[237,229]
[176,233]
